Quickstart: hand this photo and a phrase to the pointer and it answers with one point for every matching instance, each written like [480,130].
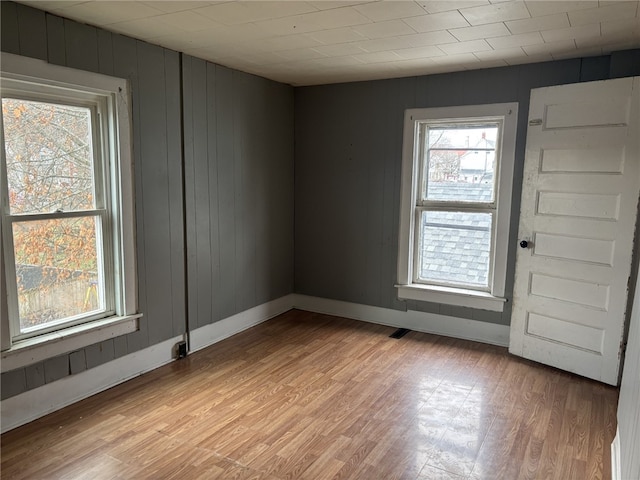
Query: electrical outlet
[181,349]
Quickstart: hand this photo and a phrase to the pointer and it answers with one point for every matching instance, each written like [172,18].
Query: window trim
[407,288]
[116,136]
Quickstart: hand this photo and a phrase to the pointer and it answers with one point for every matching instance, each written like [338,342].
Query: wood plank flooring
[308,396]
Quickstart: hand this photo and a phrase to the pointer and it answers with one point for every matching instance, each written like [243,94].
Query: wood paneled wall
[238,132]
[348,161]
[238,183]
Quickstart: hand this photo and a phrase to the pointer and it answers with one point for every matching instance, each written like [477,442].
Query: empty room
[320,239]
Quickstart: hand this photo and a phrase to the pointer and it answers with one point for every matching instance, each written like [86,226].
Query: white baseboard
[209,334]
[616,467]
[462,328]
[36,403]
[33,404]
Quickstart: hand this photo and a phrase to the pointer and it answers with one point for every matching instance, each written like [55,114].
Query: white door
[578,217]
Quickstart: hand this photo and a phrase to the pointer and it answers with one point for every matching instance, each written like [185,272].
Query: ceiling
[316,42]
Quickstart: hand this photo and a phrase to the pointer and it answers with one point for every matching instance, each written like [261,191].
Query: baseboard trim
[455,327]
[36,403]
[616,467]
[215,332]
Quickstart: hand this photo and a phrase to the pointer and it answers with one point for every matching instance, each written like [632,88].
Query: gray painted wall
[239,174]
[238,184]
[348,161]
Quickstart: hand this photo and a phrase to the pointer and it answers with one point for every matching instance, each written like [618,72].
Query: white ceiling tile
[300,54]
[481,31]
[378,57]
[448,5]
[465,47]
[337,62]
[536,24]
[437,21]
[329,4]
[339,49]
[142,28]
[336,35]
[500,12]
[618,11]
[288,42]
[391,28]
[382,44]
[487,64]
[430,38]
[336,18]
[553,47]
[629,29]
[187,21]
[515,40]
[459,60]
[538,8]
[503,54]
[420,52]
[311,42]
[236,13]
[585,31]
[313,22]
[172,6]
[381,11]
[105,13]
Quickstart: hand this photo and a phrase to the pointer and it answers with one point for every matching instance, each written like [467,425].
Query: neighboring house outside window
[67,204]
[457,174]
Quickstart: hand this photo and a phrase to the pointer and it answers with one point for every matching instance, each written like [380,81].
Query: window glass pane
[460,163]
[455,248]
[57,270]
[49,156]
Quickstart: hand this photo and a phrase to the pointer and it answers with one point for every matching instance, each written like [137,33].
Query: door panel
[578,215]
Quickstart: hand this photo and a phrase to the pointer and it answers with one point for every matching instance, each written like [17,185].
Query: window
[67,211]
[456,203]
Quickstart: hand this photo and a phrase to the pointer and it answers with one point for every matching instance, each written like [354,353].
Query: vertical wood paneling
[189,193]
[32,27]
[226,195]
[156,185]
[125,50]
[9,33]
[34,375]
[174,190]
[239,190]
[81,46]
[238,182]
[201,187]
[105,52]
[56,46]
[212,157]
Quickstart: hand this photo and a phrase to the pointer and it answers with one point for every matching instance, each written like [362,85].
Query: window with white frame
[457,175]
[67,204]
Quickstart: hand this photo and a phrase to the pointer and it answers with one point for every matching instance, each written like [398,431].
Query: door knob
[524,244]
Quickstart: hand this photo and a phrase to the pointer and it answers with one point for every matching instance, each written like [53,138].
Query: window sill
[36,349]
[451,296]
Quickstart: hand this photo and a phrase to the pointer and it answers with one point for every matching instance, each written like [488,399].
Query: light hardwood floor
[307,396]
